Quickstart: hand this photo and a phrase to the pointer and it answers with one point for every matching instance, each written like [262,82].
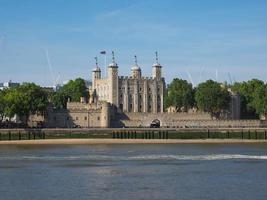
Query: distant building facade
[8,84]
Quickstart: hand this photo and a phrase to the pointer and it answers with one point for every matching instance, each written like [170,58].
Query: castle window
[149,89]
[85,118]
[68,118]
[77,118]
[140,89]
[98,118]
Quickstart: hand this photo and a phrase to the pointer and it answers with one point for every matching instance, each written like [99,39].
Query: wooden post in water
[9,135]
[19,135]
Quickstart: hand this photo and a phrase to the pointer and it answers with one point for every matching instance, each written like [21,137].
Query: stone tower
[105,114]
[156,69]
[96,74]
[113,81]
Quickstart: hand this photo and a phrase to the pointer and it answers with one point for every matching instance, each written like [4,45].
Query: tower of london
[133,93]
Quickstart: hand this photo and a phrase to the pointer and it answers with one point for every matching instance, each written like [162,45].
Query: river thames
[134,171]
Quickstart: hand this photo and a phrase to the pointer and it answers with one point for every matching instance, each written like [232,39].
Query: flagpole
[105,65]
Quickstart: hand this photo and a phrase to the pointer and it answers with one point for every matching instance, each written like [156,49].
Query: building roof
[156,65]
[97,69]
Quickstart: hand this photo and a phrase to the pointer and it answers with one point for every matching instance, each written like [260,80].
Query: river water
[120,172]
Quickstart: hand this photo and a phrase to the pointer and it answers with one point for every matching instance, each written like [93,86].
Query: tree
[14,103]
[259,101]
[25,100]
[2,105]
[211,97]
[247,92]
[180,94]
[35,99]
[73,90]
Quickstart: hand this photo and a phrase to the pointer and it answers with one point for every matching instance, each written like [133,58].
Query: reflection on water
[134,172]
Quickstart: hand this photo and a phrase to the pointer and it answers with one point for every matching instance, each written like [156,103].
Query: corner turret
[96,74]
[156,68]
[113,81]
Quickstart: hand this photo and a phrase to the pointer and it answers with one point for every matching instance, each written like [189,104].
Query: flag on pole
[102,52]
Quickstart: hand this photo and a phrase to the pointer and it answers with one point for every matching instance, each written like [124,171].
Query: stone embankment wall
[179,120]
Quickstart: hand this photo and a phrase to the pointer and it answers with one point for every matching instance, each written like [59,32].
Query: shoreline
[130,141]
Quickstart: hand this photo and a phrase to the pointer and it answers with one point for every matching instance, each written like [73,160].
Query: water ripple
[141,157]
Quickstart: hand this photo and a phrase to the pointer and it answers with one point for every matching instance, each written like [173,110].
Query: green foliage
[211,97]
[34,98]
[179,94]
[14,103]
[2,105]
[73,90]
[23,100]
[259,101]
[247,91]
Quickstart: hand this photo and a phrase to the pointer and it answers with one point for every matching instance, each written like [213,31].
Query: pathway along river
[131,171]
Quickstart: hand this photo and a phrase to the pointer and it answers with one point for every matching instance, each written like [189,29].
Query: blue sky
[196,40]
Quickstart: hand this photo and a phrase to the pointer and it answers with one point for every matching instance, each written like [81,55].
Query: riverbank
[135,134]
[129,141]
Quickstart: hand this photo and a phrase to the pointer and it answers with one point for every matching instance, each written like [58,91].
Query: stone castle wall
[178,120]
[77,114]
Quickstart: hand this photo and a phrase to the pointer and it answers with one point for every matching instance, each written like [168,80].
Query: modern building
[8,84]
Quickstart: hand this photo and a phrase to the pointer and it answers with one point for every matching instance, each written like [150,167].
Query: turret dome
[135,68]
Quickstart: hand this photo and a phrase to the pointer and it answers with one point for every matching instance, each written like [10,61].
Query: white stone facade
[132,93]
